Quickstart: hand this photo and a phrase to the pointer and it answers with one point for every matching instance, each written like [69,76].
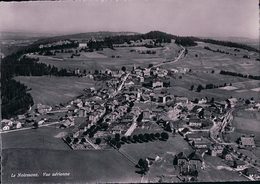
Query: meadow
[51,90]
[173,145]
[89,166]
[98,60]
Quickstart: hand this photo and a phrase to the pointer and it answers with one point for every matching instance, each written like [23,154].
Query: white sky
[180,17]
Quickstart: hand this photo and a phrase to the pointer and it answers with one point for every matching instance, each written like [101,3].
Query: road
[173,61]
[219,127]
[131,128]
[96,147]
[27,128]
[121,86]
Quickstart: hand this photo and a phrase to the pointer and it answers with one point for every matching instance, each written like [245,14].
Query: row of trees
[208,86]
[255,77]
[117,141]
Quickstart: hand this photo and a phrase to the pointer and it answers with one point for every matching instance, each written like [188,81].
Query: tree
[35,125]
[143,164]
[124,139]
[118,145]
[141,137]
[201,114]
[117,137]
[150,65]
[164,135]
[98,141]
[135,137]
[140,117]
[192,87]
[157,135]
[75,141]
[123,68]
[83,140]
[68,139]
[247,102]
[212,100]
[199,88]
[196,100]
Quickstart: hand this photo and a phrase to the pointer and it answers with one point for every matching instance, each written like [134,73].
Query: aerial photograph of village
[120,91]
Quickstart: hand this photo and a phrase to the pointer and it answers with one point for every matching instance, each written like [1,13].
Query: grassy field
[83,166]
[54,90]
[246,123]
[103,59]
[208,60]
[173,145]
[42,138]
[212,174]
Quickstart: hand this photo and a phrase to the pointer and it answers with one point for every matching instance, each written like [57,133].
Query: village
[106,117]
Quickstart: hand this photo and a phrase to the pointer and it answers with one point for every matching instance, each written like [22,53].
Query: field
[173,145]
[54,90]
[201,73]
[103,59]
[83,166]
[212,174]
[42,138]
[246,123]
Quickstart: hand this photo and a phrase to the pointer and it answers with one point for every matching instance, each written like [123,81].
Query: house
[184,131]
[82,113]
[216,150]
[233,102]
[18,124]
[195,123]
[202,101]
[6,127]
[146,72]
[83,45]
[191,160]
[201,144]
[146,115]
[43,109]
[180,159]
[40,122]
[195,160]
[130,83]
[162,73]
[227,156]
[157,84]
[141,79]
[239,165]
[193,137]
[246,142]
[20,117]
[251,172]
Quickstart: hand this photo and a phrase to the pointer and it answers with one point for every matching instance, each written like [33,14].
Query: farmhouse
[246,142]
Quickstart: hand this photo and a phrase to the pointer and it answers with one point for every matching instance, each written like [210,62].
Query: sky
[209,18]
